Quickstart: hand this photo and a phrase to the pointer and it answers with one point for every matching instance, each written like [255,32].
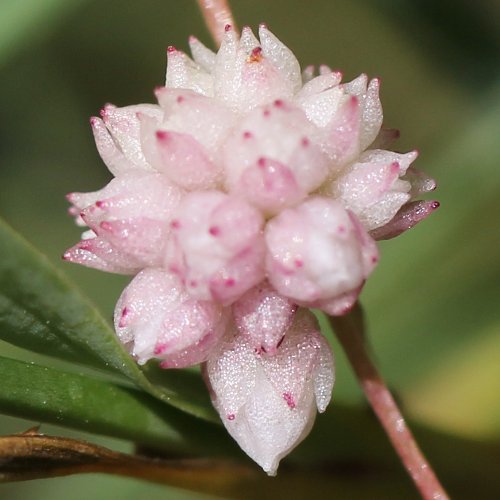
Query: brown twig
[217,15]
[349,330]
[31,455]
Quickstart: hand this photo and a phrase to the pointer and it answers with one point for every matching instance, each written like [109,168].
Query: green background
[433,302]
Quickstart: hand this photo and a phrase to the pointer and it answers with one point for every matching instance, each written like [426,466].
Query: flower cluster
[250,193]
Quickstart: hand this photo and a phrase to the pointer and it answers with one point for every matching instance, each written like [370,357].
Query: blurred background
[433,303]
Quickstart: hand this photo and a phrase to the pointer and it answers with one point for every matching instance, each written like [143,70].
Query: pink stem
[218,15]
[349,331]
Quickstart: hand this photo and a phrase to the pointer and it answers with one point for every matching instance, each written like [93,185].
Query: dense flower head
[249,192]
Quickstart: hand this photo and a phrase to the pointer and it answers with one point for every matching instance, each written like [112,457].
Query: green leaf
[344,439]
[42,312]
[73,400]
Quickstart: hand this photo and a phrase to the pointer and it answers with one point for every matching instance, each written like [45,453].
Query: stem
[217,15]
[349,331]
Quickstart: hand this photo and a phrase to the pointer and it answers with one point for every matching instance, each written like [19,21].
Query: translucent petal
[202,56]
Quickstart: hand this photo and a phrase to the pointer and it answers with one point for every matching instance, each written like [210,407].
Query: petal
[270,159]
[381,157]
[281,56]
[269,185]
[244,76]
[110,153]
[183,73]
[230,372]
[267,429]
[263,315]
[202,56]
[226,71]
[409,215]
[320,84]
[216,246]
[180,157]
[248,41]
[340,305]
[356,87]
[420,182]
[341,137]
[372,115]
[317,251]
[372,191]
[205,119]
[98,253]
[123,125]
[323,374]
[156,318]
[141,238]
[321,108]
[267,402]
[308,74]
[295,359]
[130,196]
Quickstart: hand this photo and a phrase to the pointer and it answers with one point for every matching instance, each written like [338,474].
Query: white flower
[250,189]
[268,403]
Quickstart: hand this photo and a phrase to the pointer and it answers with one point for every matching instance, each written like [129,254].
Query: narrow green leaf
[343,440]
[68,399]
[41,311]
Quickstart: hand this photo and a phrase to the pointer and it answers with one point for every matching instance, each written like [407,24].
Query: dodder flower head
[249,190]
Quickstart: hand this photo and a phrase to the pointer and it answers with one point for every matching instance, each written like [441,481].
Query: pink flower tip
[162,135]
[214,231]
[106,226]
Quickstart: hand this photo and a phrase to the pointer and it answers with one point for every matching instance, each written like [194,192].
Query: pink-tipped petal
[205,119]
[183,73]
[123,125]
[409,215]
[217,246]
[180,157]
[342,134]
[372,191]
[156,318]
[142,239]
[98,253]
[335,253]
[281,57]
[110,153]
[246,76]
[269,185]
[264,316]
[271,158]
